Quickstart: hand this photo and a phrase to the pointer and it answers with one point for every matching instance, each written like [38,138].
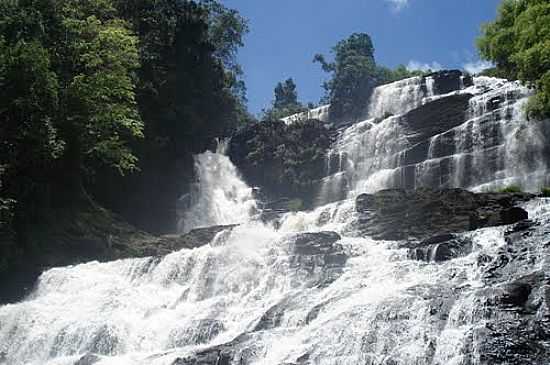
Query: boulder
[88,359]
[447,81]
[420,214]
[318,256]
[440,248]
[163,245]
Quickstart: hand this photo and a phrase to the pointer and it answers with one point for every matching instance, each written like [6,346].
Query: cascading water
[219,197]
[312,291]
[484,151]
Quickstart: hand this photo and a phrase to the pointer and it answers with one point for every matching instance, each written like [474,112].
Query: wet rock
[440,248]
[318,256]
[318,243]
[200,332]
[447,81]
[164,245]
[420,214]
[88,359]
[435,117]
[515,300]
[272,317]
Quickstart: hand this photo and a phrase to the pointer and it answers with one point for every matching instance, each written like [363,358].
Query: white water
[495,147]
[151,311]
[219,197]
[320,113]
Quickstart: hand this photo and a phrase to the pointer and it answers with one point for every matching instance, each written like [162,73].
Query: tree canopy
[285,103]
[355,75]
[97,96]
[518,43]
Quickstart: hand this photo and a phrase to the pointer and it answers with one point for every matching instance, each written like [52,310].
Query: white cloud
[415,65]
[398,4]
[477,66]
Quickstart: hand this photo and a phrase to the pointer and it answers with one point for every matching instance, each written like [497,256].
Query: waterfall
[219,197]
[487,150]
[251,289]
[313,289]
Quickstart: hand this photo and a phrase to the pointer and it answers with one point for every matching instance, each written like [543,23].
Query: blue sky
[285,34]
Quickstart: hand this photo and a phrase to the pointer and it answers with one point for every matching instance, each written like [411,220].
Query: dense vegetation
[285,103]
[93,90]
[355,75]
[285,160]
[518,42]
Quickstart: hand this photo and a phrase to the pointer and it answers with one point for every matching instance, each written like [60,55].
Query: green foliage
[518,42]
[189,89]
[545,192]
[29,104]
[401,72]
[286,160]
[76,94]
[286,102]
[354,76]
[93,89]
[510,189]
[286,95]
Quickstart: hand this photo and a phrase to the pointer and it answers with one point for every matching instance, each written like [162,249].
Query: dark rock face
[164,245]
[440,248]
[515,304]
[435,117]
[285,161]
[447,81]
[318,255]
[118,240]
[421,214]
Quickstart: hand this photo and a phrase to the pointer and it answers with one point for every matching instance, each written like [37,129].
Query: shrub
[510,189]
[545,192]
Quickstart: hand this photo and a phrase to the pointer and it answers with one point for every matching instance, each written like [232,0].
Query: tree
[354,76]
[518,43]
[285,103]
[286,96]
[80,90]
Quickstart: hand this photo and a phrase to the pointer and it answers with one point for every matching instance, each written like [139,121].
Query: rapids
[255,296]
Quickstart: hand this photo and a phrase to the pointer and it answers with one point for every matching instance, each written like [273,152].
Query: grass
[510,189]
[545,192]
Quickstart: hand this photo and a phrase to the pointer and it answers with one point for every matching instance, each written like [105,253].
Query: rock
[435,117]
[202,332]
[284,160]
[440,248]
[88,359]
[118,241]
[318,256]
[447,81]
[513,215]
[164,245]
[405,214]
[318,243]
[515,299]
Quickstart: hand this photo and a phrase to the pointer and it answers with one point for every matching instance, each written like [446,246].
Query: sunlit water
[382,308]
[154,310]
[488,151]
